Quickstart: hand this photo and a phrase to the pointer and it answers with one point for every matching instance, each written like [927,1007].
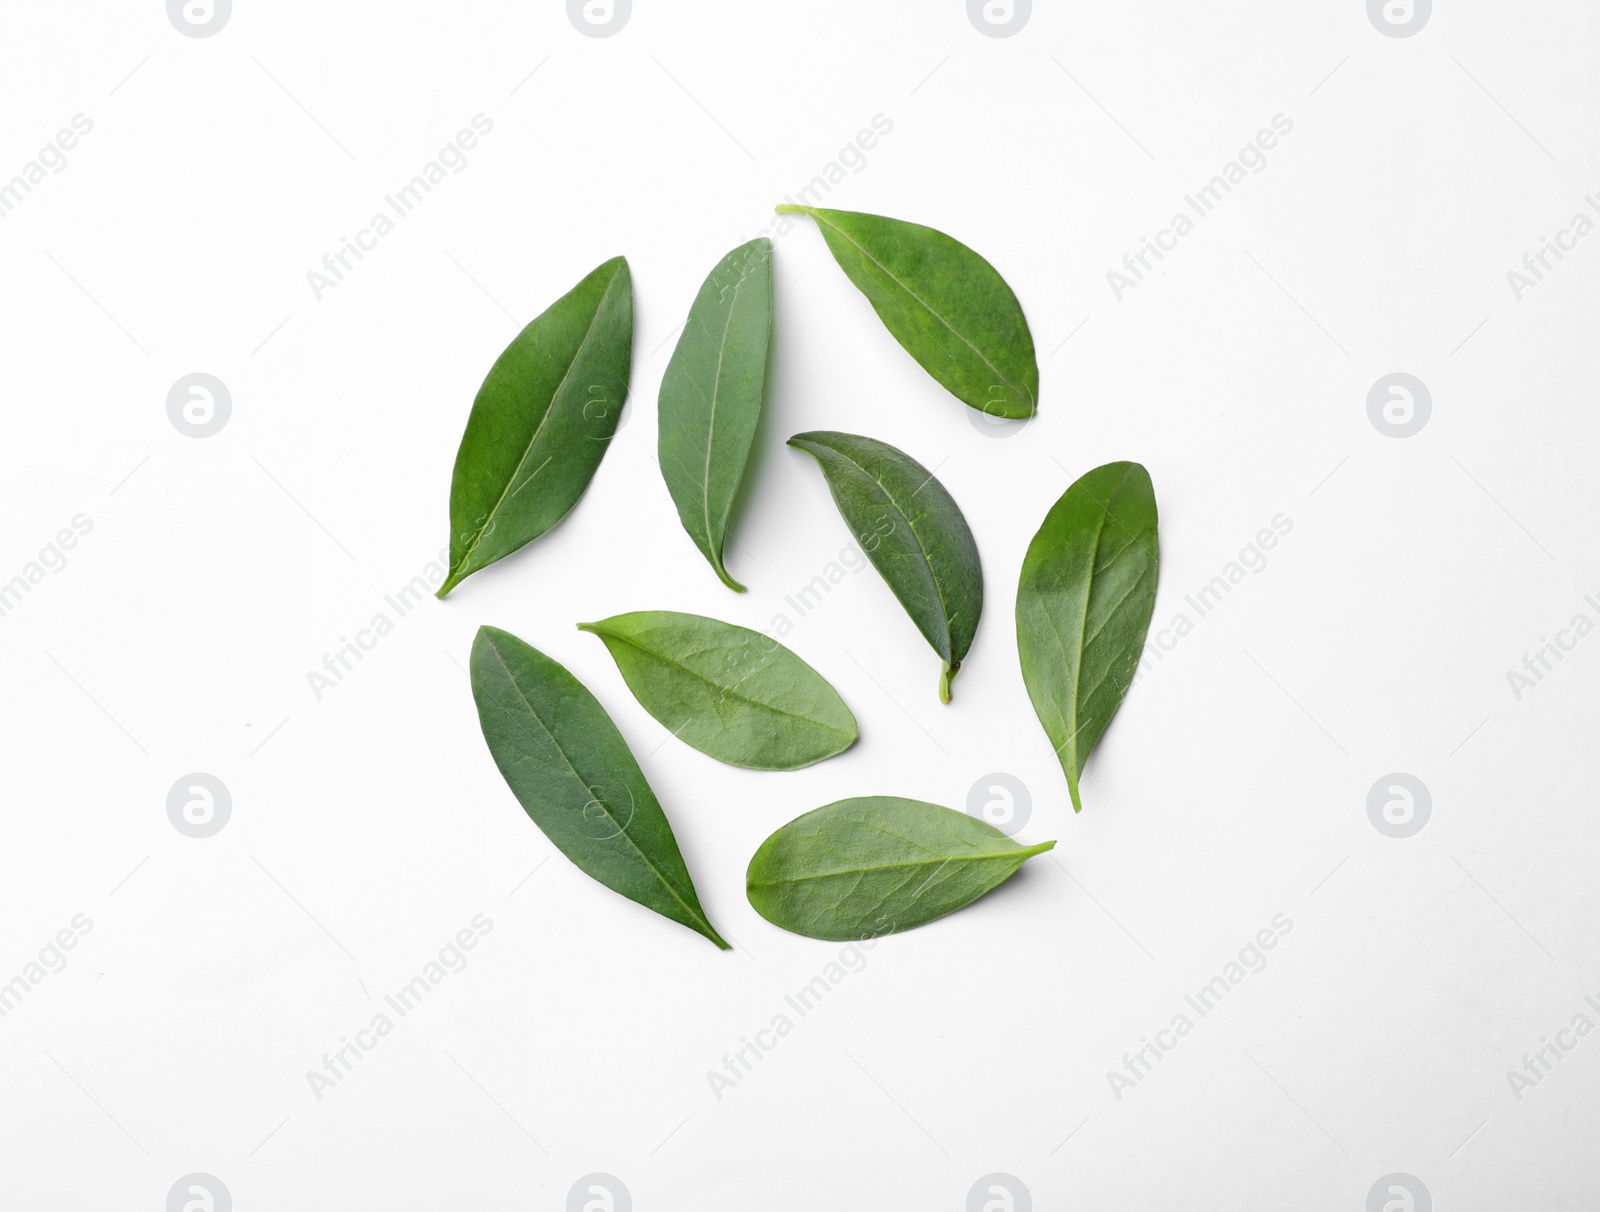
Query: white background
[368,827]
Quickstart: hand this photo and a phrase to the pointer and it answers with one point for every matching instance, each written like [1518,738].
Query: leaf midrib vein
[622,829]
[938,587]
[698,676]
[711,430]
[1071,742]
[489,518]
[817,215]
[1083,615]
[935,861]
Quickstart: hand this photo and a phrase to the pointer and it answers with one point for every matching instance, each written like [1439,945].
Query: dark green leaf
[541,422]
[1084,602]
[730,692]
[944,303]
[572,772]
[878,865]
[711,396]
[913,532]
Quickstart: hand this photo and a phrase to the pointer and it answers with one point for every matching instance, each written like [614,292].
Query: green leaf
[1084,602]
[878,865]
[711,396]
[913,532]
[944,303]
[541,422]
[572,772]
[732,693]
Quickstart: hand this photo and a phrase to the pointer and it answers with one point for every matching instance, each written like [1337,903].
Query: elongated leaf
[1084,602]
[711,396]
[541,422]
[572,772]
[732,693]
[878,865]
[914,534]
[944,303]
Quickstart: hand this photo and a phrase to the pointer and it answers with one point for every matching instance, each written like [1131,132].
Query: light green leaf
[730,692]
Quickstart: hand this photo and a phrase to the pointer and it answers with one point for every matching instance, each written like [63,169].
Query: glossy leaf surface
[1084,601]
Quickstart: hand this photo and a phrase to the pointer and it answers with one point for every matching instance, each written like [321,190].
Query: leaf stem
[946,676]
[789,208]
